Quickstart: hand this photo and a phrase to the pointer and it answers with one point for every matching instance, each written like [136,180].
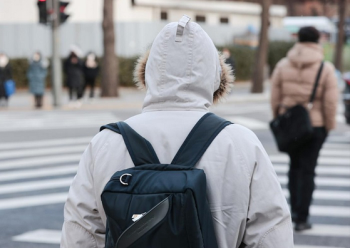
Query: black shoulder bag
[293,128]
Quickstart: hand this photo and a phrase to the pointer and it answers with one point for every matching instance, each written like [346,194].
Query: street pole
[56,61]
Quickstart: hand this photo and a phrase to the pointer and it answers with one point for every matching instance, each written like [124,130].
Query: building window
[164,15]
[223,20]
[200,18]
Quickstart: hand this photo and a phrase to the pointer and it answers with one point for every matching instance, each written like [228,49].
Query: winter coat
[5,74]
[74,74]
[293,80]
[182,80]
[36,75]
[90,73]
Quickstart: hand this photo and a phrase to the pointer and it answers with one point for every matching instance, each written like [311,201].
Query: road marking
[41,161]
[35,172]
[42,151]
[323,170]
[330,152]
[45,143]
[14,154]
[282,158]
[333,211]
[40,236]
[323,181]
[313,246]
[250,123]
[54,236]
[35,185]
[31,201]
[327,230]
[327,195]
[55,121]
[328,145]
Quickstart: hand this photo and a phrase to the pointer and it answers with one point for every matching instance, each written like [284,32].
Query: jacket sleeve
[82,227]
[268,221]
[330,100]
[275,90]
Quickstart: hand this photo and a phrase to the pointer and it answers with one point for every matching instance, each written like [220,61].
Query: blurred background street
[43,133]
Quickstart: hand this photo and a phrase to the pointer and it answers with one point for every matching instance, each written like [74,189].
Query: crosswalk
[37,166]
[29,121]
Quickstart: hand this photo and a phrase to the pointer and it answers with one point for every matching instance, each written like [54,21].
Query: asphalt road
[40,150]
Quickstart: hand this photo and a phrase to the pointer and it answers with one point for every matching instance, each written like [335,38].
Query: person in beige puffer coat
[292,83]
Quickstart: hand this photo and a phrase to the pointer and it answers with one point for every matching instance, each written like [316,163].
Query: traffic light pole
[56,61]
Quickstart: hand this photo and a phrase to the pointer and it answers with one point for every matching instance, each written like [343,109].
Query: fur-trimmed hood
[182,75]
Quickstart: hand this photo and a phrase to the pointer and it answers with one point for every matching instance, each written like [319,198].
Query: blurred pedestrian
[228,58]
[5,74]
[36,75]
[73,69]
[91,69]
[292,83]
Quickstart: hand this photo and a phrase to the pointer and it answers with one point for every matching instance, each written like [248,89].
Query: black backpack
[154,205]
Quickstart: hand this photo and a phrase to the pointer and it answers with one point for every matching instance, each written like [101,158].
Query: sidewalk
[129,98]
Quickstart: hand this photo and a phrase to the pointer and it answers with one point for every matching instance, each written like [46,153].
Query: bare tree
[261,53]
[109,84]
[338,60]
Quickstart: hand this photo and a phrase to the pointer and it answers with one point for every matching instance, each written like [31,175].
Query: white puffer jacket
[245,197]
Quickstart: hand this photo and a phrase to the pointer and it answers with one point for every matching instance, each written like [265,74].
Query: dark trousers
[91,84]
[38,101]
[77,90]
[301,184]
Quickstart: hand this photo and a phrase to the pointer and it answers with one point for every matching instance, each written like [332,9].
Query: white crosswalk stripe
[40,161]
[320,170]
[324,181]
[52,120]
[37,173]
[40,166]
[54,236]
[44,143]
[42,151]
[35,185]
[327,195]
[282,158]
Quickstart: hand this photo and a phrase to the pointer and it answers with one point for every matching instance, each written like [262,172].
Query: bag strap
[312,97]
[199,139]
[140,149]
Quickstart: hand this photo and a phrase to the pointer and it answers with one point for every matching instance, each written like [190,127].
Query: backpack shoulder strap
[199,139]
[312,97]
[140,149]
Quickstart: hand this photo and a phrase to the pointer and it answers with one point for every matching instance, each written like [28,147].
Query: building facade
[137,23]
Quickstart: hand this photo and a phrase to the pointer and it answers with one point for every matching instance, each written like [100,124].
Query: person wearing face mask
[91,69]
[36,75]
[5,74]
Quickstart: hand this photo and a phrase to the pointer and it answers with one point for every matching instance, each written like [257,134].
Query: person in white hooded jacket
[184,75]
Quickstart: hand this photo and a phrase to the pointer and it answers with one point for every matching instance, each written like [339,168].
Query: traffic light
[42,11]
[63,16]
